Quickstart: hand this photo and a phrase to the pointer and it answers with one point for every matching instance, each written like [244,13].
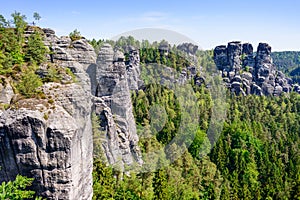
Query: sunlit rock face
[52,142]
[114,107]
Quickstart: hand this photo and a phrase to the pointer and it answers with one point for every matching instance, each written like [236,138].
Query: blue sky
[208,23]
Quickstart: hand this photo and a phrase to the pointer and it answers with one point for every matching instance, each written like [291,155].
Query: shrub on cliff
[17,189]
[29,83]
[75,35]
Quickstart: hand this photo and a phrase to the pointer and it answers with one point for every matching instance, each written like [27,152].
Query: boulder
[247,75]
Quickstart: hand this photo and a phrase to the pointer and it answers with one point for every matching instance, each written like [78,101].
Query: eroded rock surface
[115,108]
[245,73]
[51,139]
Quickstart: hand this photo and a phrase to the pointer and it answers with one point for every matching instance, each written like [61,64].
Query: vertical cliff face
[53,145]
[115,109]
[52,140]
[245,74]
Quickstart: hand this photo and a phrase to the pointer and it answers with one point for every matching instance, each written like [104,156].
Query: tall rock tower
[115,109]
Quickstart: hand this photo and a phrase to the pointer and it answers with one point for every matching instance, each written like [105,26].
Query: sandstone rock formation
[121,145]
[245,73]
[51,144]
[52,141]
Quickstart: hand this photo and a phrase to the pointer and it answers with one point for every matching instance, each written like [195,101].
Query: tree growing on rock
[75,35]
[36,16]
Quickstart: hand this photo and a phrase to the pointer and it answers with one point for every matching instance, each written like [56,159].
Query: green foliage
[36,16]
[256,156]
[29,83]
[288,62]
[20,25]
[253,152]
[157,95]
[17,189]
[96,44]
[14,49]
[104,183]
[173,59]
[35,50]
[21,55]
[75,35]
[97,138]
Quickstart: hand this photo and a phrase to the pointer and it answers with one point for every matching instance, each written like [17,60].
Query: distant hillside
[288,62]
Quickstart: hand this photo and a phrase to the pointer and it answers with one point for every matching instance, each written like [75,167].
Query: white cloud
[74,12]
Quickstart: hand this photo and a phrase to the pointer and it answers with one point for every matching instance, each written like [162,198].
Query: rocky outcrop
[115,109]
[133,69]
[51,139]
[6,91]
[65,50]
[188,48]
[245,73]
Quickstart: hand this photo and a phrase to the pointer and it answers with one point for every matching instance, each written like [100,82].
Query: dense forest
[256,155]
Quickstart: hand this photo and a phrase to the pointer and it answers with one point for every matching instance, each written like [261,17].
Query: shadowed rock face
[221,57]
[259,75]
[234,50]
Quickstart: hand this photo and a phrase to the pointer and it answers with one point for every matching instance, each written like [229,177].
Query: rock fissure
[14,155]
[37,151]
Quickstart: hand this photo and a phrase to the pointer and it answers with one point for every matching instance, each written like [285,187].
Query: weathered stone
[133,70]
[226,80]
[278,90]
[255,89]
[52,142]
[221,58]
[247,75]
[263,76]
[164,47]
[267,89]
[53,146]
[48,32]
[234,50]
[113,88]
[6,92]
[64,49]
[236,84]
[237,78]
[263,54]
